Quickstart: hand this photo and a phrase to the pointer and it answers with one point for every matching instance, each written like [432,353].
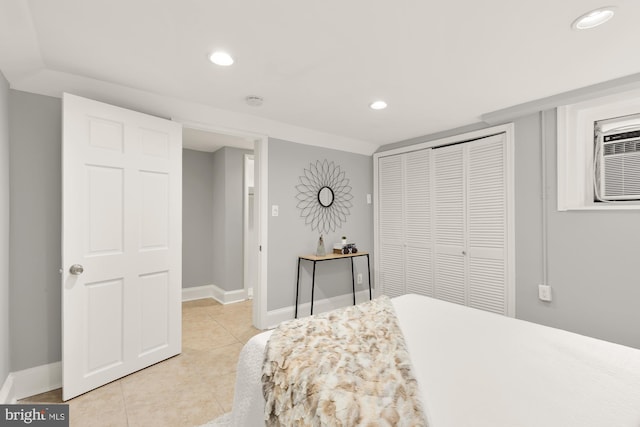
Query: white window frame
[575,149]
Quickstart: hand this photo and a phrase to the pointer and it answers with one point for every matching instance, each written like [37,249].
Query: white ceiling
[318,65]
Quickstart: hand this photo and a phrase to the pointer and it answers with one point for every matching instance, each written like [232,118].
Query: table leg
[297,288]
[313,285]
[353,282]
[369,274]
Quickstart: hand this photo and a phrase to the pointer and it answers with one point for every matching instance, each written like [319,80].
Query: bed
[476,368]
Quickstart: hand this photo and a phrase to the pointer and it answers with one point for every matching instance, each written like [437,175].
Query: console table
[331,257]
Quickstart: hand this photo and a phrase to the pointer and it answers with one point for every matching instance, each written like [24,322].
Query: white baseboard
[30,382]
[213,291]
[275,317]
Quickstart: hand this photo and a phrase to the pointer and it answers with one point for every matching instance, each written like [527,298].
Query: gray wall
[213,250]
[290,237]
[592,261]
[4,231]
[593,265]
[228,228]
[197,218]
[35,237]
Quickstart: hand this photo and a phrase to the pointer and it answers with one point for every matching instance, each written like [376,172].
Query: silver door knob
[76,269]
[464,252]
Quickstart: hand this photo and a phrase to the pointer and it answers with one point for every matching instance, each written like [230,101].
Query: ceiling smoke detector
[254,100]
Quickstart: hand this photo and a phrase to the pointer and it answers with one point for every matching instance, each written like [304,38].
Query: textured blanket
[347,367]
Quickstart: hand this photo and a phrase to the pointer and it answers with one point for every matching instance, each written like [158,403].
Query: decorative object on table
[320,251]
[344,240]
[344,248]
[324,196]
[349,248]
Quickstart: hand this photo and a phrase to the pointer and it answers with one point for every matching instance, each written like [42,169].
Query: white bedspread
[480,369]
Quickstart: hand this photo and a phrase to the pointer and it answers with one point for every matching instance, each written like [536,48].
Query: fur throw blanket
[347,367]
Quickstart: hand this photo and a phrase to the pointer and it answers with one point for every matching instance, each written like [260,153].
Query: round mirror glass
[325,197]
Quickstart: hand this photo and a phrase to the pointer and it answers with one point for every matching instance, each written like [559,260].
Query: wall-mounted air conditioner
[617,158]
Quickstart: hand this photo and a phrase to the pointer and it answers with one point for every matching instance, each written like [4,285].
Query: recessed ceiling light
[221,58]
[593,18]
[378,105]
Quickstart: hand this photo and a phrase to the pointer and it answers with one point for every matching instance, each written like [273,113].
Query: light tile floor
[187,390]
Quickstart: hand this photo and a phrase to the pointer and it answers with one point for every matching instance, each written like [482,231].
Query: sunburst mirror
[324,196]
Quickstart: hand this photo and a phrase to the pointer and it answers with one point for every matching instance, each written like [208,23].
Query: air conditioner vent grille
[622,147]
[623,176]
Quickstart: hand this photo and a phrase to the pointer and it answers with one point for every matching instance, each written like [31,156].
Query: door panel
[391,214]
[487,224]
[154,311]
[419,248]
[103,316]
[122,216]
[104,202]
[449,200]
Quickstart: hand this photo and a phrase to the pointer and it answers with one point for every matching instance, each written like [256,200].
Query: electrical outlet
[359,279]
[544,292]
[274,210]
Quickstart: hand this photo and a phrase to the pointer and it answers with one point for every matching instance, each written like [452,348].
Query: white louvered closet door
[449,223]
[418,237]
[487,224]
[443,223]
[390,226]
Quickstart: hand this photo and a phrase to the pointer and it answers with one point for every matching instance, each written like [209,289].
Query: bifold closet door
[443,217]
[404,196]
[449,223]
[418,235]
[487,224]
[471,223]
[390,226]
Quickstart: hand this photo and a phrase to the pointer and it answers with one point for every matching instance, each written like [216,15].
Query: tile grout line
[124,403]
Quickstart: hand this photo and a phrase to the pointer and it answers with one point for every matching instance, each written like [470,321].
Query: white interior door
[122,222]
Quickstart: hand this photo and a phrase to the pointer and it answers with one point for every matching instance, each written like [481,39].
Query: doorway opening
[238,206]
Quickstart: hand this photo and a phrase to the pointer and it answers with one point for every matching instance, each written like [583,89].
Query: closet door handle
[464,252]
